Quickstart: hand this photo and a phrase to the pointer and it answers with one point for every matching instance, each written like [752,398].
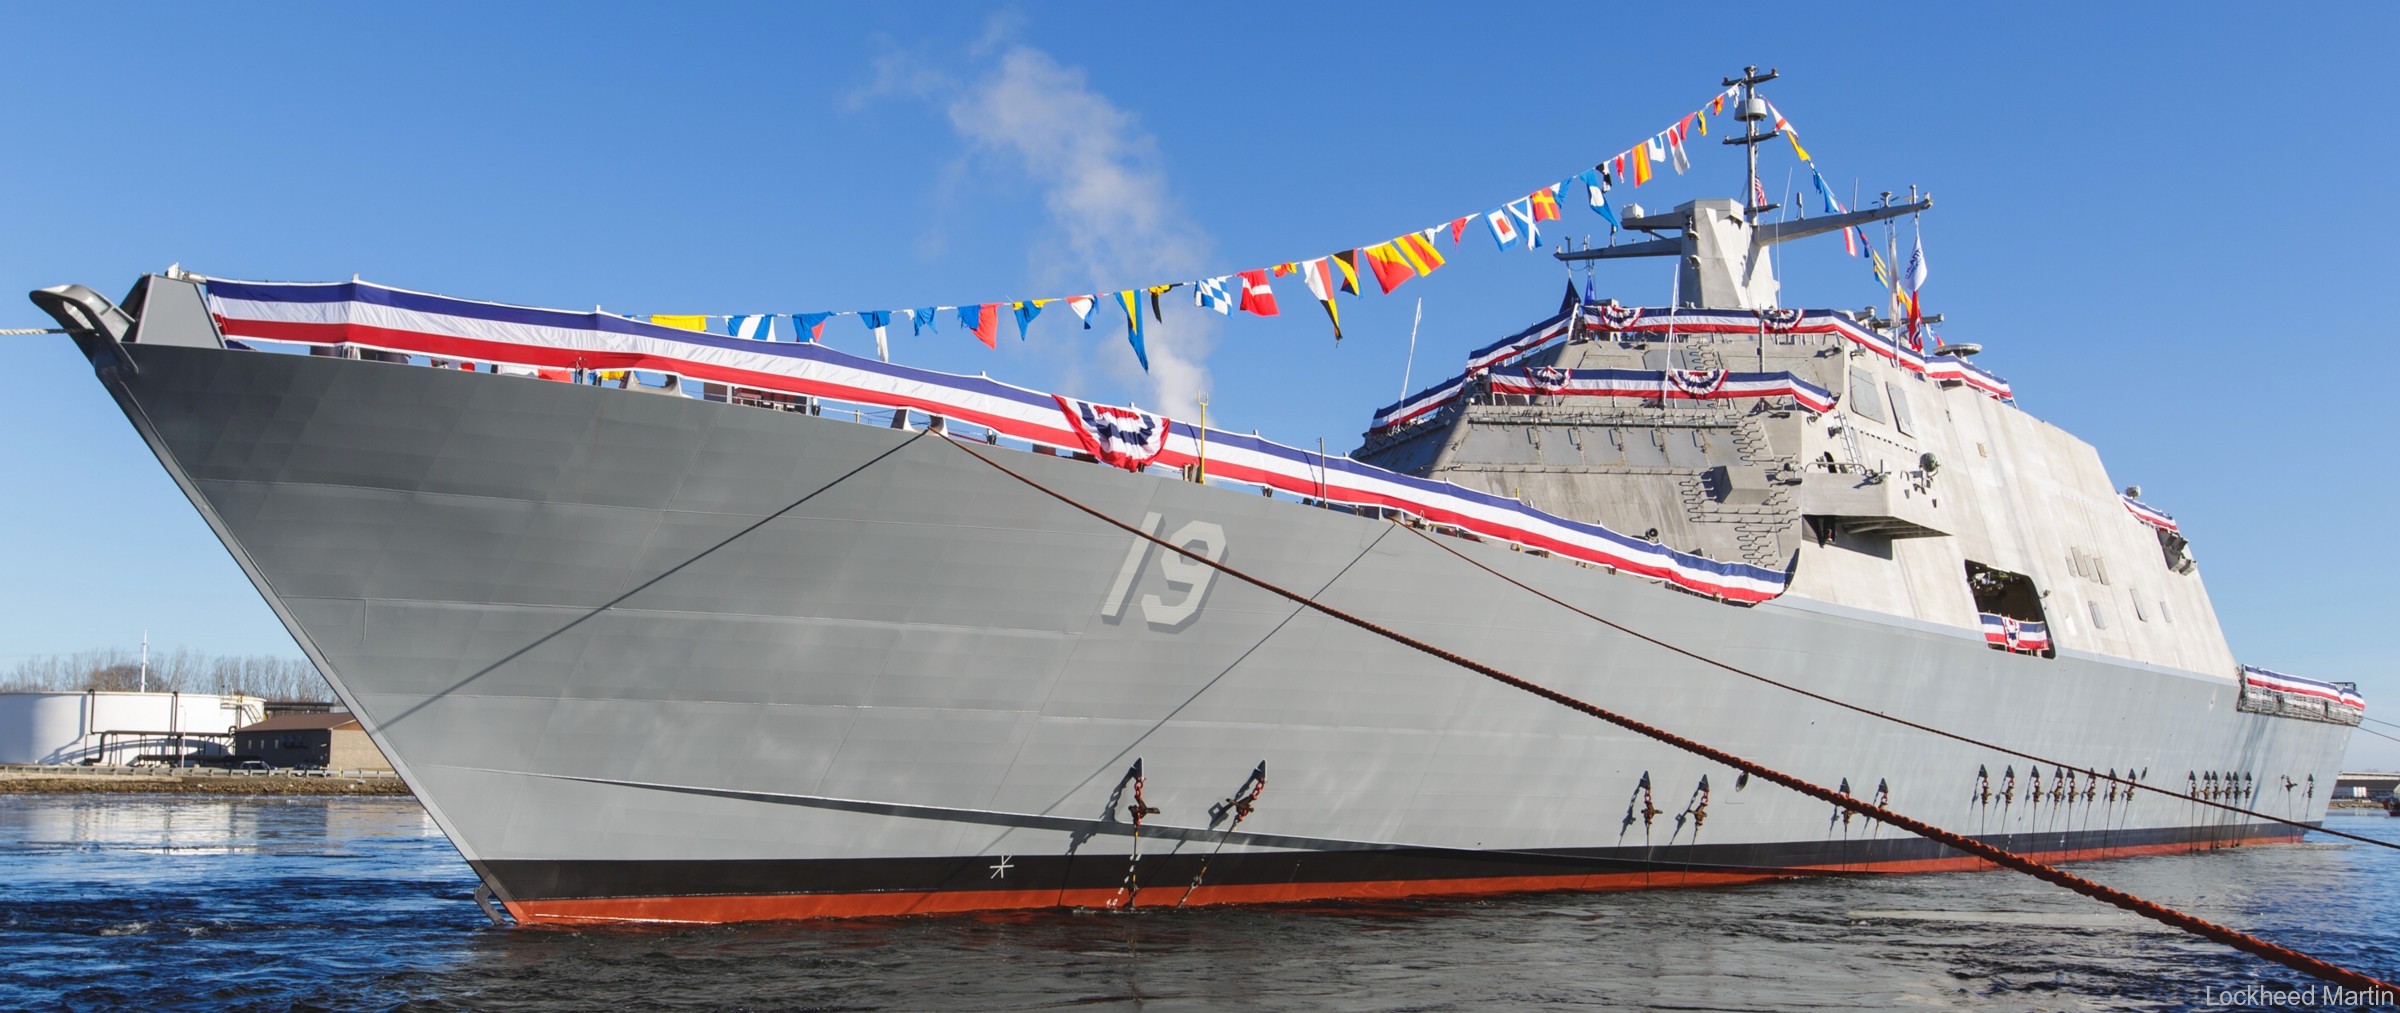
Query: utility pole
[145,661]
[1751,109]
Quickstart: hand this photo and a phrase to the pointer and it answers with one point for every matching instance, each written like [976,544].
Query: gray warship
[726,648]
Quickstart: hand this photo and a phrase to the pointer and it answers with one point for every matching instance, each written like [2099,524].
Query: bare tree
[261,675]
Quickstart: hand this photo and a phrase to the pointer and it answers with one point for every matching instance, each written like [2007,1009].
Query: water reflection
[120,902]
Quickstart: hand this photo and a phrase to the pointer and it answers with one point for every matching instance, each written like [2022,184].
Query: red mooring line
[2201,927]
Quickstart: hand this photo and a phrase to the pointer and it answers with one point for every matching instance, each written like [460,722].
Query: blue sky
[2134,205]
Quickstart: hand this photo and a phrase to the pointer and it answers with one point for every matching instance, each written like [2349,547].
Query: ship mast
[1722,243]
[1751,109]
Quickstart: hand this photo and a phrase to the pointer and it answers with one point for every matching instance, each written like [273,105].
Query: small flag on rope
[1458,229]
[1675,153]
[1131,300]
[1082,305]
[878,321]
[987,324]
[1347,261]
[1522,208]
[921,320]
[1789,134]
[813,324]
[1595,187]
[1850,236]
[1319,278]
[681,321]
[1155,292]
[1641,164]
[1026,311]
[1283,269]
[1209,294]
[1390,268]
[1418,250]
[754,328]
[1504,232]
[1545,203]
[1257,296]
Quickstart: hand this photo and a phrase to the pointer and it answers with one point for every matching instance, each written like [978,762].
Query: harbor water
[164,902]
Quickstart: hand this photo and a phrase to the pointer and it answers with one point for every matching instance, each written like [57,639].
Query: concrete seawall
[32,780]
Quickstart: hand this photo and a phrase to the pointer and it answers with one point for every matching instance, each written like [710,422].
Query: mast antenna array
[1751,109]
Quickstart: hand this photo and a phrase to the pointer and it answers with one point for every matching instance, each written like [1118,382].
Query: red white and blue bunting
[1622,320]
[1657,385]
[2293,685]
[1950,369]
[1127,438]
[395,320]
[2149,515]
[2018,635]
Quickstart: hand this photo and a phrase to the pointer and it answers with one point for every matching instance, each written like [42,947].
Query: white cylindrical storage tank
[98,726]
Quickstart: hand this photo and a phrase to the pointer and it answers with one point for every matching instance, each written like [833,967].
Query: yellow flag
[681,321]
[1796,148]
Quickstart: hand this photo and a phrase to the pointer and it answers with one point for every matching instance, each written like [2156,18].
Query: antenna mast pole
[1751,109]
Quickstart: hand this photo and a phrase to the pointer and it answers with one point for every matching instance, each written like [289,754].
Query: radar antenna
[1750,109]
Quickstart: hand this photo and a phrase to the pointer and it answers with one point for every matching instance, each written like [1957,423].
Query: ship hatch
[2009,596]
[2002,593]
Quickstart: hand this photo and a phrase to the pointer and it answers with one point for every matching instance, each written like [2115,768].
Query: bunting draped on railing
[2019,635]
[2293,685]
[1654,384]
[2149,515]
[1951,369]
[376,317]
[1388,264]
[1663,320]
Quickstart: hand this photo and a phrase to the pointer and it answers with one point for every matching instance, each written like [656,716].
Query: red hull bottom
[778,907]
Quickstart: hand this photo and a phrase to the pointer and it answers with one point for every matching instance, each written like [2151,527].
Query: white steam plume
[1107,198]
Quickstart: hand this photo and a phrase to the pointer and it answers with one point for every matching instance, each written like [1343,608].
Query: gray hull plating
[592,626]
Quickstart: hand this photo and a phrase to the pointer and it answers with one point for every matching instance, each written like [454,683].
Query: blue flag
[877,320]
[812,324]
[1026,311]
[1597,189]
[921,319]
[971,318]
[1130,301]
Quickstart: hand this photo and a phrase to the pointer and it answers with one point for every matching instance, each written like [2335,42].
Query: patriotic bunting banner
[2015,634]
[2149,515]
[1656,385]
[1127,438]
[2293,685]
[396,320]
[1652,320]
[1419,404]
[1951,369]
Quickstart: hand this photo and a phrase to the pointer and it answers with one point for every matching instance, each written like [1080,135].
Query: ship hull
[646,658]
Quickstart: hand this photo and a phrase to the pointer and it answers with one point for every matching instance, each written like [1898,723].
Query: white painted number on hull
[1188,577]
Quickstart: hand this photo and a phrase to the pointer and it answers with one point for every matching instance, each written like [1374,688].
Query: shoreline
[121,781]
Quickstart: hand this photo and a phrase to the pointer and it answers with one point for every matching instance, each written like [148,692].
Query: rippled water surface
[276,903]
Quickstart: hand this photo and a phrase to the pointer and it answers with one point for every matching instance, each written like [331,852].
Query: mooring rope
[1870,712]
[2201,927]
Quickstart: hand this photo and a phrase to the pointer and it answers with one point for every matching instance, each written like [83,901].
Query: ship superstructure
[765,639]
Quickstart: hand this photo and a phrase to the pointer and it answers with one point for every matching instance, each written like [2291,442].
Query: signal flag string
[1870,712]
[2195,925]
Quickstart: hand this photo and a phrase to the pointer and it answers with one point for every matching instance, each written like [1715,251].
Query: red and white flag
[1257,296]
